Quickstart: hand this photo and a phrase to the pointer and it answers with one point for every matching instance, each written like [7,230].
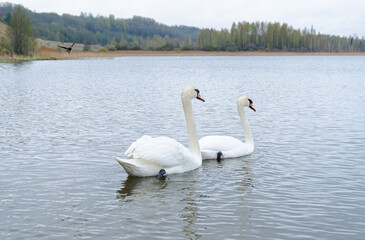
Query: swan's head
[191,92]
[244,101]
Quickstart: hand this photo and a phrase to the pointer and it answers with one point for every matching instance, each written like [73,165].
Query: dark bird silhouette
[68,49]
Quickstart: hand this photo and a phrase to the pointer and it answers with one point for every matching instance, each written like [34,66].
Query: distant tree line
[147,34]
[267,36]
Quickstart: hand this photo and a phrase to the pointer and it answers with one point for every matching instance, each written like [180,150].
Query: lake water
[62,121]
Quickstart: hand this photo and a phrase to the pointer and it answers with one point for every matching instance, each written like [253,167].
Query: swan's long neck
[246,126]
[190,124]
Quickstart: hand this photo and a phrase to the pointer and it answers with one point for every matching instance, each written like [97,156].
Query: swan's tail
[119,160]
[128,167]
[138,167]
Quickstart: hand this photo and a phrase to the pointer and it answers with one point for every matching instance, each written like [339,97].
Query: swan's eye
[197,90]
[250,101]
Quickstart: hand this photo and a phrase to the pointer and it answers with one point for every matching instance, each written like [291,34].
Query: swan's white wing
[164,151]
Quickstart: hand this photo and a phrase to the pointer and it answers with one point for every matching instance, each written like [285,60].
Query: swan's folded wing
[164,151]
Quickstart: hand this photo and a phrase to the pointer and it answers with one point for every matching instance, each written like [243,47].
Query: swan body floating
[217,147]
[149,156]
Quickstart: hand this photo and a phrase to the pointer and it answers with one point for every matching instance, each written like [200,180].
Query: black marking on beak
[198,95]
[250,105]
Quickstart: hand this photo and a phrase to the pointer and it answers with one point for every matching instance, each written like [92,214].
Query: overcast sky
[337,17]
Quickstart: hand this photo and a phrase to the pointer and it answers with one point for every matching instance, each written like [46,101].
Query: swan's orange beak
[252,107]
[200,97]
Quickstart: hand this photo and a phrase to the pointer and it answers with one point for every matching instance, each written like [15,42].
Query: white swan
[162,155]
[215,147]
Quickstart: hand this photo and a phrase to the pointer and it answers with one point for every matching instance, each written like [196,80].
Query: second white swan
[162,155]
[217,147]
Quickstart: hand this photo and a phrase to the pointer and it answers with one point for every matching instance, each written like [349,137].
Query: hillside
[3,30]
[101,30]
[3,39]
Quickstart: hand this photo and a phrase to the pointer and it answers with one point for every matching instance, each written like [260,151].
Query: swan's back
[164,151]
[229,146]
[219,143]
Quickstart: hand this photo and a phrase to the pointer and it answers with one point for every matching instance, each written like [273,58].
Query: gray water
[62,121]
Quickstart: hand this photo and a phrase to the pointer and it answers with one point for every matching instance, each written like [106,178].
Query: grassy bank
[8,59]
[46,53]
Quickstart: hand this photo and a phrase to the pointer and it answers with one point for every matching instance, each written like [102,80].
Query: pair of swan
[162,155]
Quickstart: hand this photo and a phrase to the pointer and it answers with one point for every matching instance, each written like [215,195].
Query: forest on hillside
[147,34]
[135,33]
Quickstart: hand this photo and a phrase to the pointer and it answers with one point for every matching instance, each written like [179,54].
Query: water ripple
[59,130]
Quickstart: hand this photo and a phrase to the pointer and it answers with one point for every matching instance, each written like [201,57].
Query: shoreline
[52,54]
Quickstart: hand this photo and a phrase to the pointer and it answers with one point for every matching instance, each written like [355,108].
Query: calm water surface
[62,121]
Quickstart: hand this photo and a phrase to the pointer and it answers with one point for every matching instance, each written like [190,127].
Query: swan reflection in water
[175,197]
[137,185]
[190,197]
